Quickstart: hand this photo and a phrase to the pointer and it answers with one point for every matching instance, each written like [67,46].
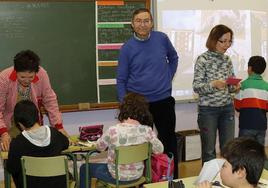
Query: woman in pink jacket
[25,80]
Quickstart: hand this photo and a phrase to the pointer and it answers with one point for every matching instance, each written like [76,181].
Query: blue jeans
[100,171]
[213,119]
[258,135]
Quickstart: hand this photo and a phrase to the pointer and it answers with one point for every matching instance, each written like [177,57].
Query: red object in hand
[233,80]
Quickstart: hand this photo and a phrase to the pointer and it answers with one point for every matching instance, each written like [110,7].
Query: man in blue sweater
[147,64]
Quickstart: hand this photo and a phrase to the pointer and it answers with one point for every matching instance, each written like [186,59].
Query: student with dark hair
[243,166]
[134,116]
[215,103]
[147,64]
[25,80]
[34,140]
[252,101]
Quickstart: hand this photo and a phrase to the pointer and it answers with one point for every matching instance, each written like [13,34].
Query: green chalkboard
[114,35]
[108,55]
[64,34]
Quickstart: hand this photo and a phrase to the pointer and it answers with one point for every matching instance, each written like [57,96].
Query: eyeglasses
[145,22]
[225,41]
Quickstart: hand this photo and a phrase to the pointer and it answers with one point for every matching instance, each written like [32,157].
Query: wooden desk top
[188,182]
[71,149]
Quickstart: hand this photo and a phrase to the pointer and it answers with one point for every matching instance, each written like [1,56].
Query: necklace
[24,93]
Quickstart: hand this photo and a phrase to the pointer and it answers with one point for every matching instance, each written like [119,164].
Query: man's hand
[5,141]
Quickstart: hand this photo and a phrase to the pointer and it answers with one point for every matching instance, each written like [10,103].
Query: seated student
[134,117]
[243,166]
[34,140]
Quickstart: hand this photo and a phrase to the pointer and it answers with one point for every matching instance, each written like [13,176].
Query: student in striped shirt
[252,101]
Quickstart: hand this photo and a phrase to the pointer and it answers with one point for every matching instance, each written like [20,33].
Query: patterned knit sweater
[252,103]
[125,134]
[212,66]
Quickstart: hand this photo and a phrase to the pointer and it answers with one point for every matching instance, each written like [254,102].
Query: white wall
[186,114]
[186,118]
[190,26]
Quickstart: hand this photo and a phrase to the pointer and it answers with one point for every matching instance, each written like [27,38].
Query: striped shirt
[212,66]
[252,103]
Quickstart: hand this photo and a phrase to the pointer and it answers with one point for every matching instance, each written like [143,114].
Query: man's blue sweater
[147,67]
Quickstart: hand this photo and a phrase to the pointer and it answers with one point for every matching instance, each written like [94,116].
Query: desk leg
[7,176]
[75,171]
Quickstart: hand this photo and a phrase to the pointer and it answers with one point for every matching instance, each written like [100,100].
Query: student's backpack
[162,167]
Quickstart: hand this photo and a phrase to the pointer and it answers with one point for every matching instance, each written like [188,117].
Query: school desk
[189,182]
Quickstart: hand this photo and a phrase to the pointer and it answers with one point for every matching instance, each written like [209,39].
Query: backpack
[162,167]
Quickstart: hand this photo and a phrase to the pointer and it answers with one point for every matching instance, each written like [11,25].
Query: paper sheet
[210,170]
[263,183]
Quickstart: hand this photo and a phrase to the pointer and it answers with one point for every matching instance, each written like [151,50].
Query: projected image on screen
[188,31]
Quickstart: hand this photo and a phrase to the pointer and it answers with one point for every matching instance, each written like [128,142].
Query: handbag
[90,132]
[162,167]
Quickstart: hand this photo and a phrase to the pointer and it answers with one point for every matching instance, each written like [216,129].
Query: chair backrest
[44,167]
[132,154]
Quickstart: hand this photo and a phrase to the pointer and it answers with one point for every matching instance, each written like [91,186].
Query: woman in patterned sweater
[134,117]
[215,105]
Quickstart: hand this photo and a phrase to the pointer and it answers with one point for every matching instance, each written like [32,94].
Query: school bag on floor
[162,167]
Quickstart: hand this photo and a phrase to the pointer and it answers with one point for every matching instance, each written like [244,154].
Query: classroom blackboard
[72,40]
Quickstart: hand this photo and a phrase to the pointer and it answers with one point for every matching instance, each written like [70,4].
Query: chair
[45,167]
[127,155]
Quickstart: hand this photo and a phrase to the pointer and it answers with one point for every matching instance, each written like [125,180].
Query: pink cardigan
[41,94]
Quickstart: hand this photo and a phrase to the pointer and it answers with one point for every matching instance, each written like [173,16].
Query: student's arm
[157,146]
[105,140]
[62,139]
[238,100]
[13,161]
